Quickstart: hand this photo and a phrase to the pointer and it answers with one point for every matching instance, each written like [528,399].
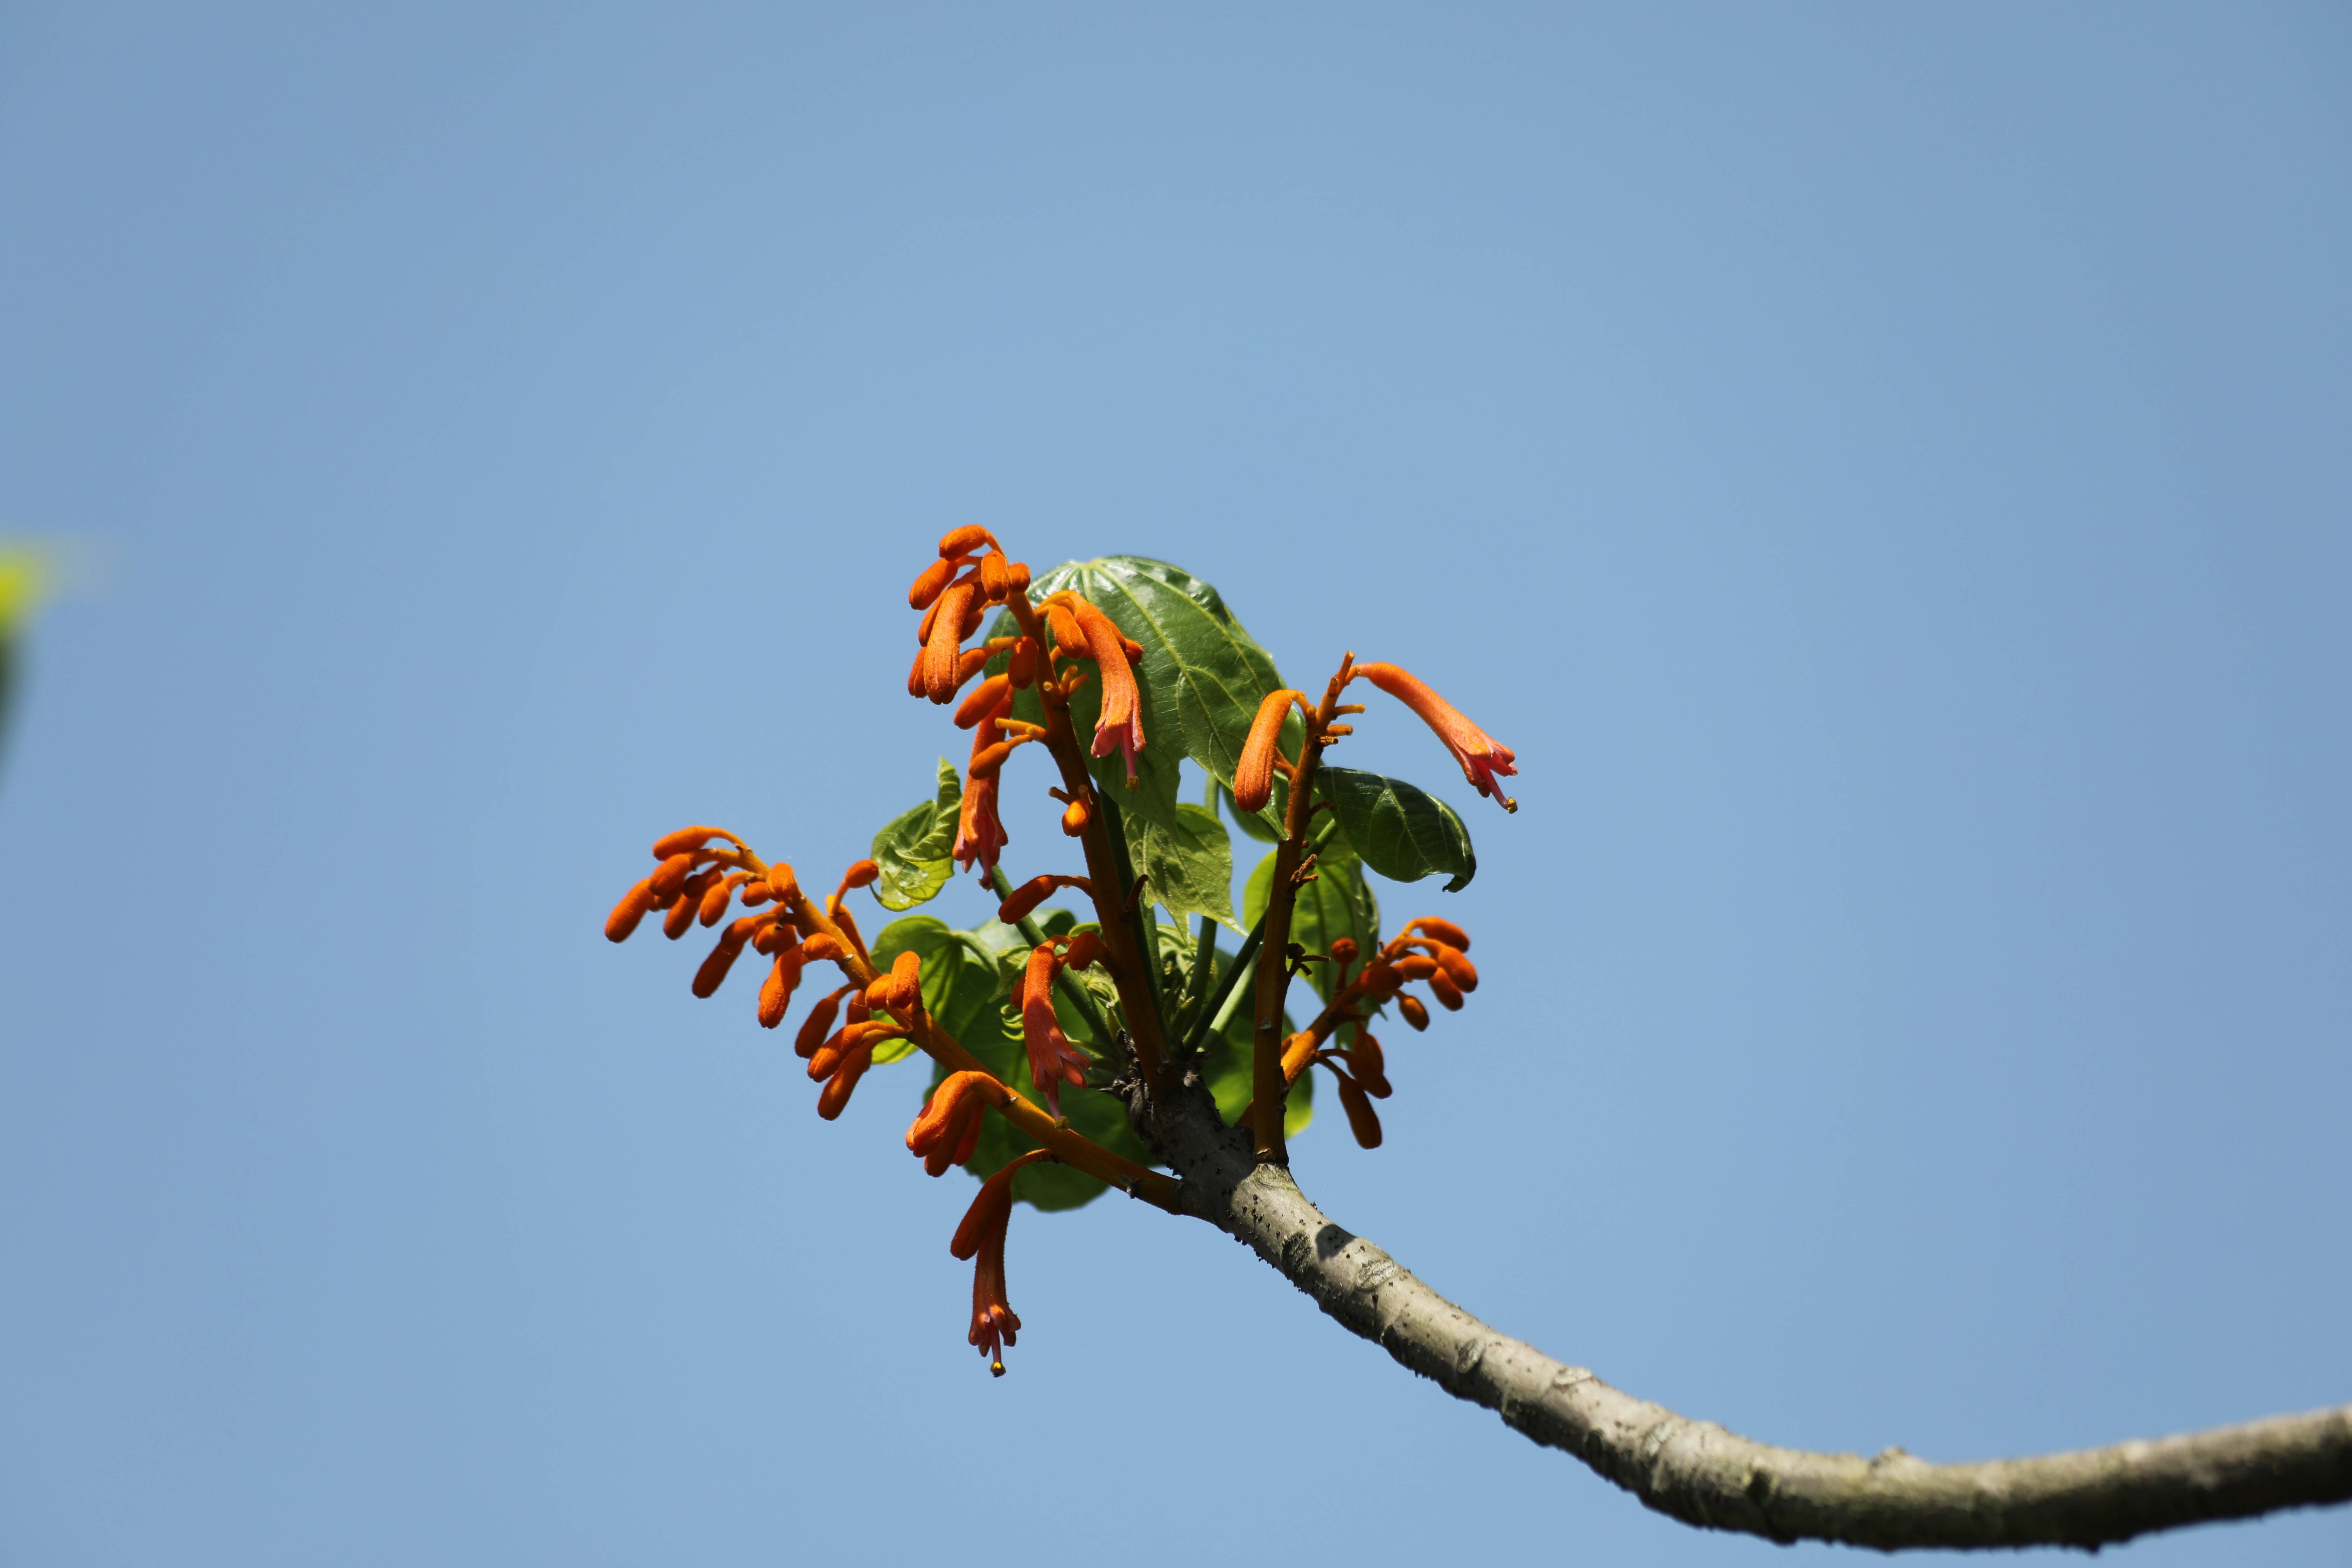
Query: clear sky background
[1889,474]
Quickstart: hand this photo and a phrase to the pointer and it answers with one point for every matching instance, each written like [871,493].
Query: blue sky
[1883,471]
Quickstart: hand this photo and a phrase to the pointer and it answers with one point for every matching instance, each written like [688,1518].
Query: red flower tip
[1481,756]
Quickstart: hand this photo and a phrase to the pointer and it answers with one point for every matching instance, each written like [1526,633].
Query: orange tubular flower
[1254,779]
[1481,756]
[948,1130]
[1414,1013]
[980,834]
[981,1236]
[1120,724]
[1052,1060]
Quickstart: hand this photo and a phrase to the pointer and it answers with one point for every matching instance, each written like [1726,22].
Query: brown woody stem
[1268,1088]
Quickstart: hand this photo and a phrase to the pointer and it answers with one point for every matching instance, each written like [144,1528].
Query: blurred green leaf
[1402,832]
[916,851]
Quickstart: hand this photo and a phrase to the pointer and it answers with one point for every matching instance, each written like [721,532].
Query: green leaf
[1401,832]
[1339,902]
[1265,827]
[1190,865]
[1201,678]
[916,851]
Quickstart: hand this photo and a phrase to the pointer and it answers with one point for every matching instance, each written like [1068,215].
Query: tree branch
[1698,1472]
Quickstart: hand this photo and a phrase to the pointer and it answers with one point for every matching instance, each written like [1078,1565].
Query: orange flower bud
[685,906]
[776,991]
[713,972]
[687,840]
[1458,969]
[984,701]
[1414,967]
[755,893]
[965,541]
[1362,1119]
[721,894]
[989,760]
[782,886]
[1016,576]
[1414,1013]
[825,945]
[819,1022]
[1074,820]
[671,875]
[1084,950]
[1380,979]
[1068,640]
[915,673]
[629,912]
[1253,778]
[861,874]
[995,580]
[972,662]
[1371,1064]
[946,1132]
[1343,952]
[1024,671]
[1447,931]
[843,1082]
[1480,755]
[929,581]
[1441,986]
[1025,898]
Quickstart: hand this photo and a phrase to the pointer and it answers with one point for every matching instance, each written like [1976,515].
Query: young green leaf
[1401,832]
[1190,866]
[916,851]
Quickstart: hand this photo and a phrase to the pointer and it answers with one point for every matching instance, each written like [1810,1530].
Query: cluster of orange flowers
[704,873]
[1431,951]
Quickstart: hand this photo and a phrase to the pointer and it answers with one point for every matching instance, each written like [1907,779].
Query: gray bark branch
[1702,1474]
